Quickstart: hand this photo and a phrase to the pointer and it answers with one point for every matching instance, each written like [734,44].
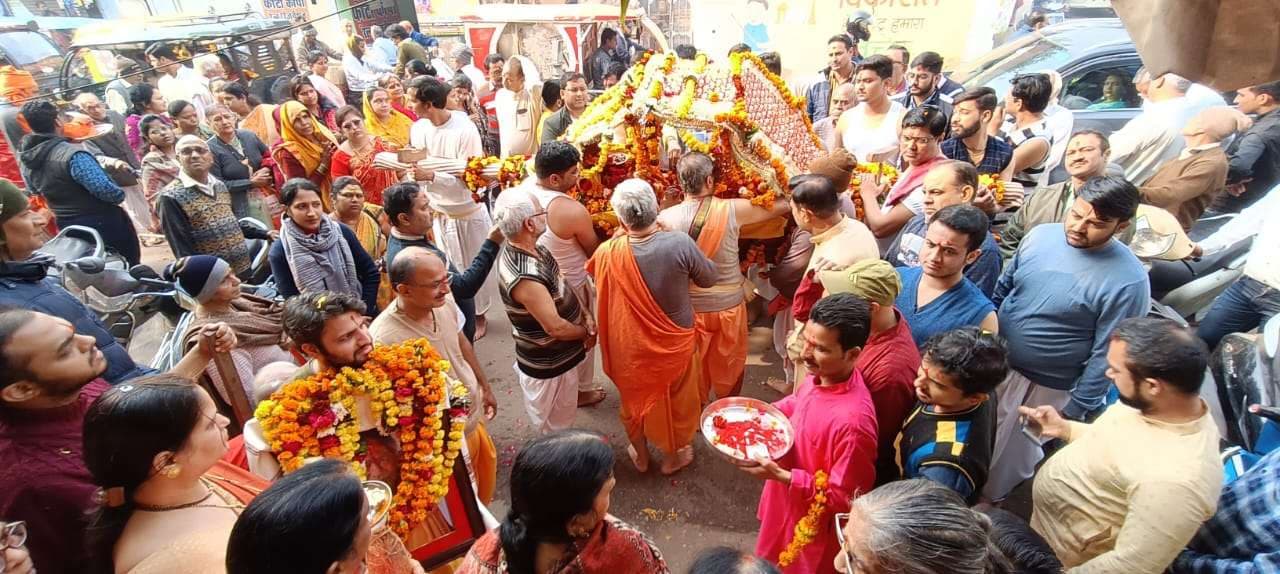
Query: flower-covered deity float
[734,110]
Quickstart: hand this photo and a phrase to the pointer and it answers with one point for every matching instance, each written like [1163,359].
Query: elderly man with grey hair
[1154,137]
[552,332]
[195,211]
[646,323]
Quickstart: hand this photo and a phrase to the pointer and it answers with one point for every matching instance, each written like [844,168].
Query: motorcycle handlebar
[1266,412]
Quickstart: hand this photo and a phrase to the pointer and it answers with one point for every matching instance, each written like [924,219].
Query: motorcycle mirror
[143,272]
[89,265]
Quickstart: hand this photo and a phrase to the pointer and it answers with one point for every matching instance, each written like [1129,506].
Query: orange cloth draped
[713,230]
[261,122]
[722,335]
[484,462]
[16,84]
[722,344]
[646,355]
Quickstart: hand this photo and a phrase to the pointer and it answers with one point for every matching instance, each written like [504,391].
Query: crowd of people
[943,338]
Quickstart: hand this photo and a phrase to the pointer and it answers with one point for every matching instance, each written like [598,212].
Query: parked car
[25,46]
[1086,52]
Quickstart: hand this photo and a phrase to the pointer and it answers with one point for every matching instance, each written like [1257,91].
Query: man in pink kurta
[835,432]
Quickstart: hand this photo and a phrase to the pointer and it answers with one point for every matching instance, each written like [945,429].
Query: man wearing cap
[464,61]
[889,360]
[195,211]
[308,43]
[951,182]
[1186,186]
[23,282]
[78,190]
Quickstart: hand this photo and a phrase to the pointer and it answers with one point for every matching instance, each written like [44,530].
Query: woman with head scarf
[395,88]
[257,322]
[306,147]
[383,120]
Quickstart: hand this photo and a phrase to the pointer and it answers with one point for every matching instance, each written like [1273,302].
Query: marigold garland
[807,529]
[511,171]
[405,385]
[993,183]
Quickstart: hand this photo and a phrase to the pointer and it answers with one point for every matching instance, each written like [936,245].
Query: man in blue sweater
[1059,297]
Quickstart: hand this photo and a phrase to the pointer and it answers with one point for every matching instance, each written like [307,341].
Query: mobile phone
[1032,431]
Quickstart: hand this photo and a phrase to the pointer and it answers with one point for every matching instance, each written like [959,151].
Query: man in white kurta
[461,224]
[519,109]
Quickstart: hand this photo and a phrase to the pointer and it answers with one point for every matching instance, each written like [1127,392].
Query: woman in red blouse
[355,157]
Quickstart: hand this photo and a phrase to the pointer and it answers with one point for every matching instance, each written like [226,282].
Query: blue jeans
[1243,306]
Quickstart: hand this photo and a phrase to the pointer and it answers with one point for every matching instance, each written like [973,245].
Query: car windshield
[23,47]
[1053,50]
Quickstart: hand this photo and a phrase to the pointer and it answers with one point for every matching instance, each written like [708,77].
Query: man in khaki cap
[889,360]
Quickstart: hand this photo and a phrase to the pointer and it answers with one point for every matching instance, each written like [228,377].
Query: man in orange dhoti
[645,326]
[721,310]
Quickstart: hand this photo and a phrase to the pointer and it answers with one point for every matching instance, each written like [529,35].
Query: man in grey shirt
[646,330]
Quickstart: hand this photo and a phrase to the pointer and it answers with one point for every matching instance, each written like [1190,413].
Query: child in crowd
[949,436]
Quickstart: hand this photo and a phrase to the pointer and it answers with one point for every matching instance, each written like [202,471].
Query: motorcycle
[1245,372]
[1185,288]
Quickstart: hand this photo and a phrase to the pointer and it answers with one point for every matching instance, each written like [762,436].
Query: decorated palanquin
[734,110]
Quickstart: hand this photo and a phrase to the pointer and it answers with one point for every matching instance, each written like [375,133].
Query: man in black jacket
[1254,158]
[78,190]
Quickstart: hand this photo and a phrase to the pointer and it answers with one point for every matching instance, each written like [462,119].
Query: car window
[1104,87]
[22,47]
[1053,48]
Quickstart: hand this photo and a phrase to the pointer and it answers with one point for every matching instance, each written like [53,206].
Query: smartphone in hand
[1032,430]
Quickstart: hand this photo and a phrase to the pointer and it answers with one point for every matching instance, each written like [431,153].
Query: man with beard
[922,85]
[328,328]
[1130,490]
[1060,296]
[49,375]
[970,142]
[1086,157]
